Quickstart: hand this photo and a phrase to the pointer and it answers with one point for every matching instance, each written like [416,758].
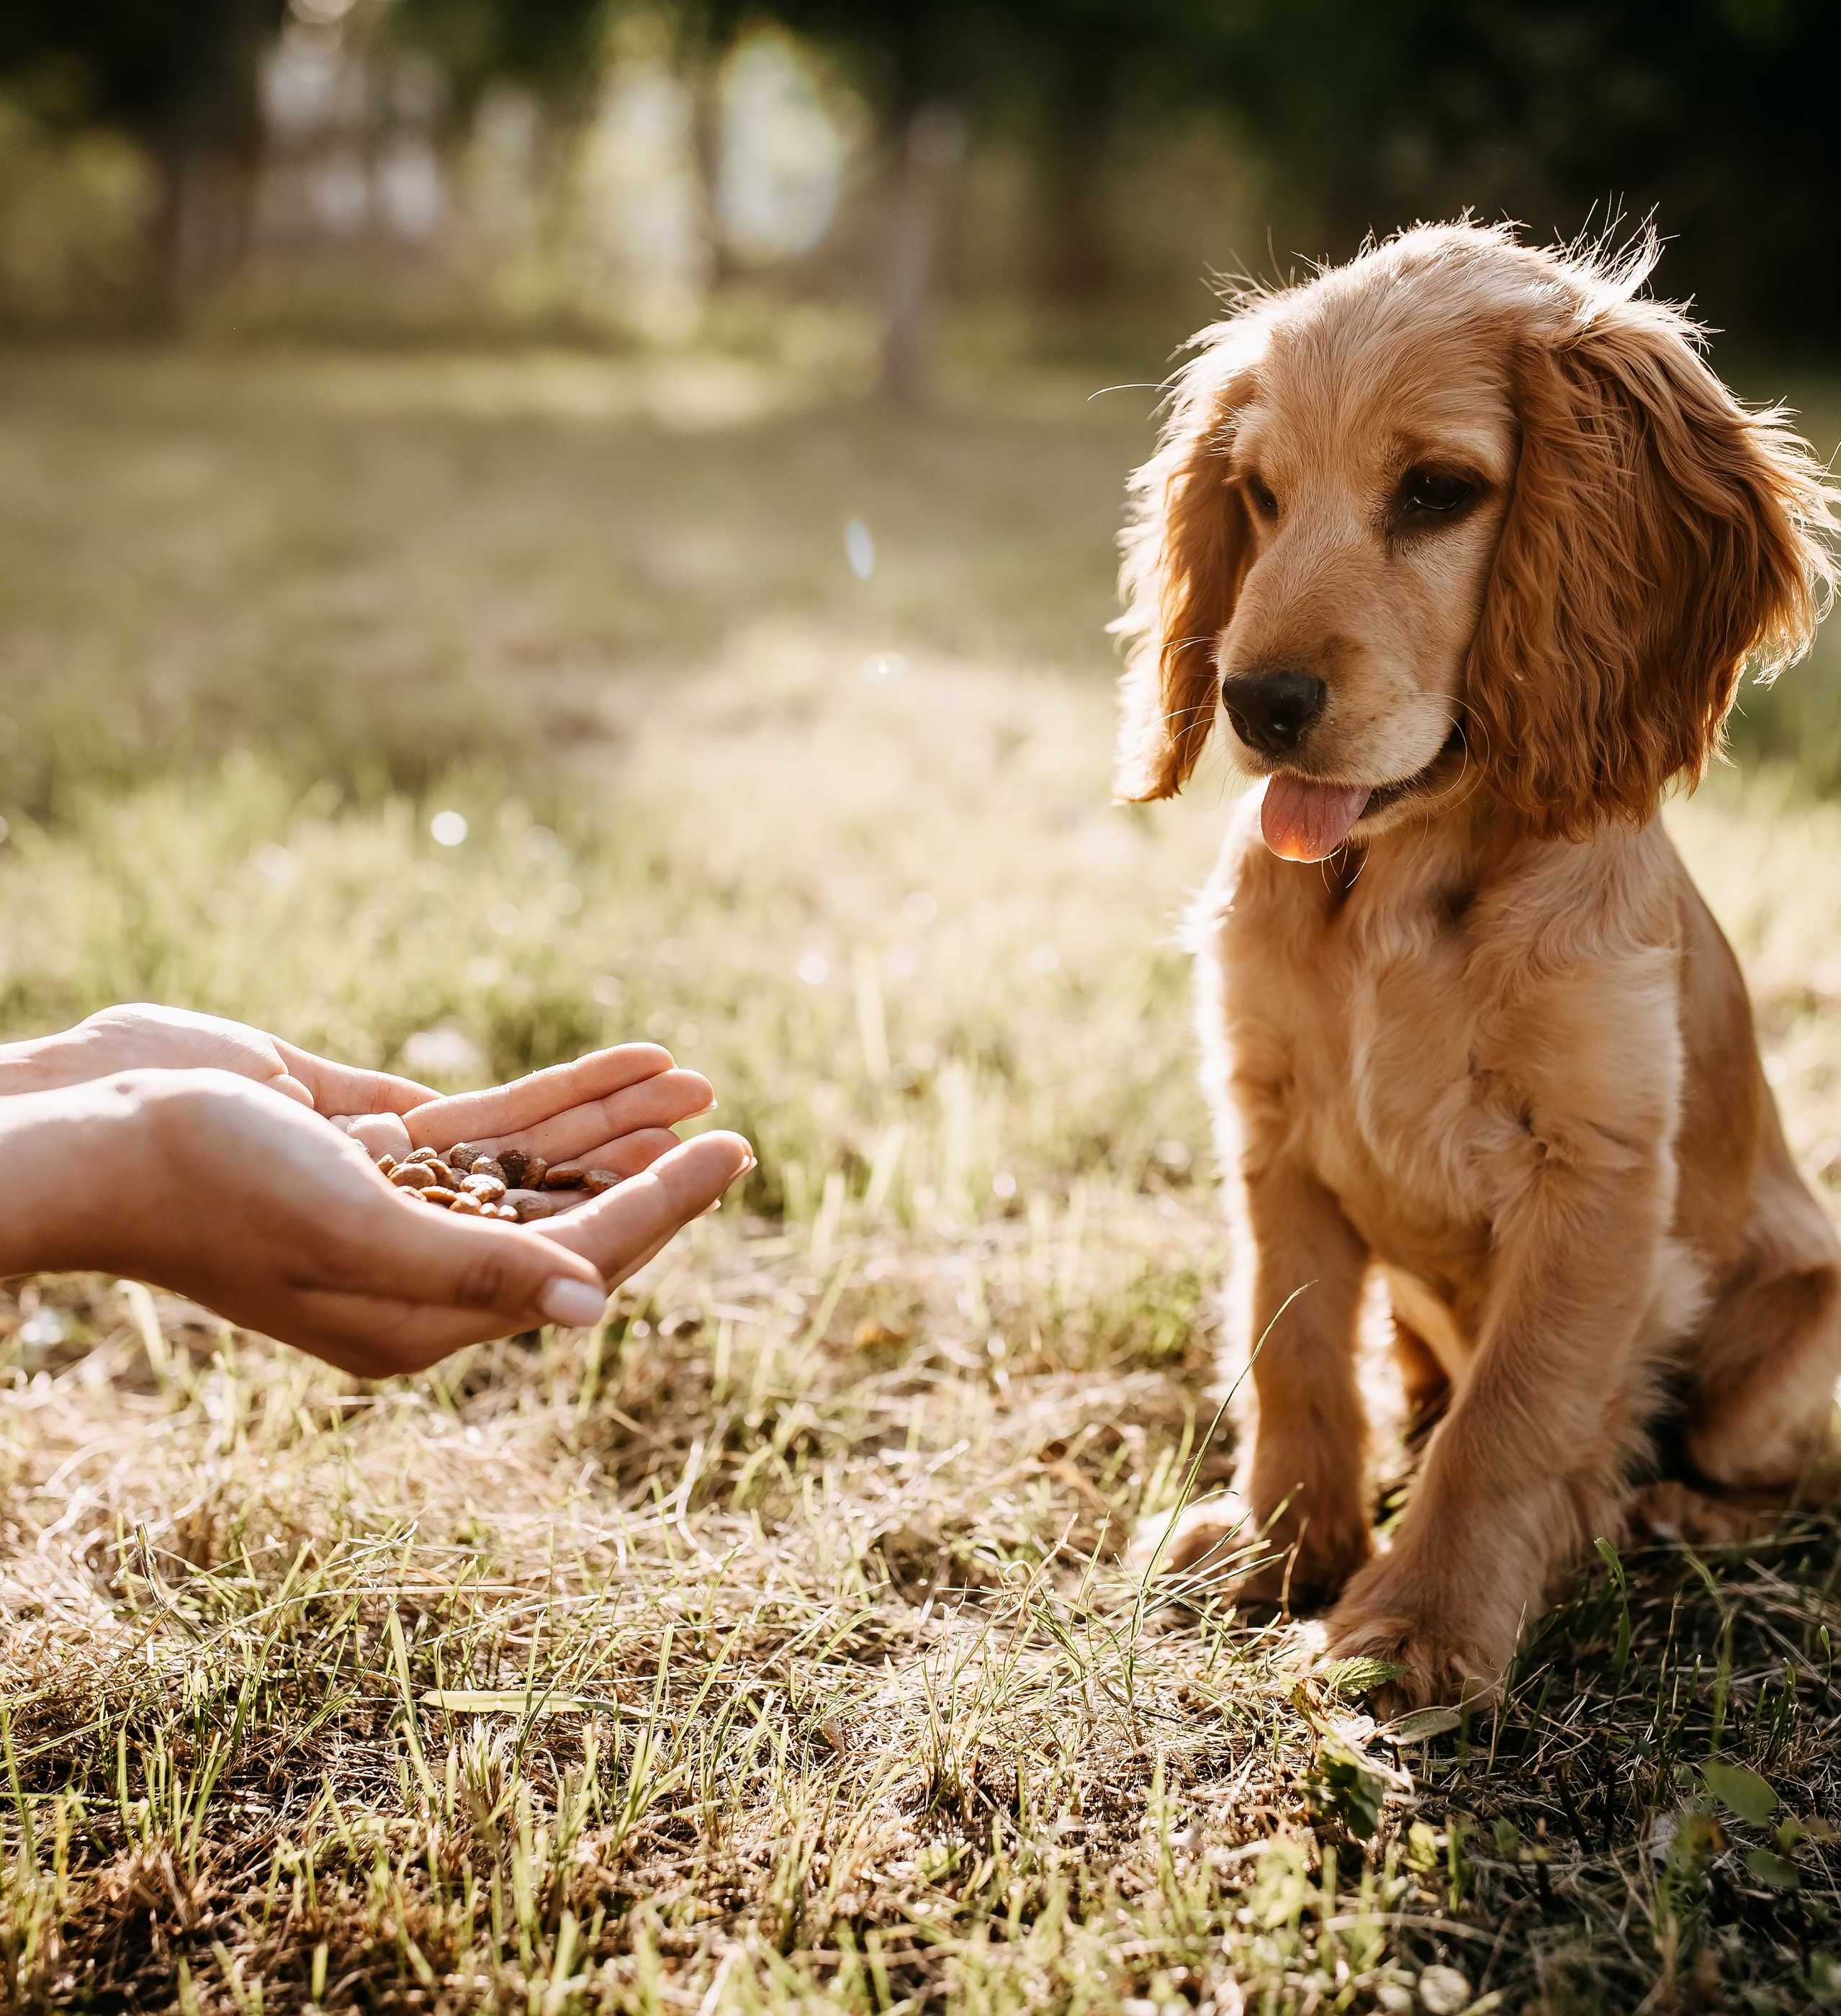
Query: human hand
[142,1036]
[610,1110]
[200,1182]
[613,1109]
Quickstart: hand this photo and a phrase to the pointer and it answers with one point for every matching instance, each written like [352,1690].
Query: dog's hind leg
[1672,1509]
[1768,1356]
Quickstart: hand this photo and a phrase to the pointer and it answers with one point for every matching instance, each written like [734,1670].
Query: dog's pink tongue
[1306,822]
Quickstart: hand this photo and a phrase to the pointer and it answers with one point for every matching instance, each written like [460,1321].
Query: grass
[770,1647]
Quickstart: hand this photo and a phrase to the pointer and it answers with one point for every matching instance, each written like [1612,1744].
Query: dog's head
[1459,510]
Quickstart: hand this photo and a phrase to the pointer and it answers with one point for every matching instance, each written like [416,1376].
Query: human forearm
[142,1036]
[64,1151]
[42,1064]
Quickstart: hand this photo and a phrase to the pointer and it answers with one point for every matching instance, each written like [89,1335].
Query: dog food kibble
[578,1176]
[476,1186]
[528,1204]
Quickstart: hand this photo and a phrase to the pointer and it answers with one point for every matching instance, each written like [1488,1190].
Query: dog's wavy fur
[1497,1049]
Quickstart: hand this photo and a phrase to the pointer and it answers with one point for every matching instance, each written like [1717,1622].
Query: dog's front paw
[1207,1548]
[1446,1659]
[1220,1548]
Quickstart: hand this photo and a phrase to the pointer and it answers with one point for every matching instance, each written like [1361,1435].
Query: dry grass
[770,1648]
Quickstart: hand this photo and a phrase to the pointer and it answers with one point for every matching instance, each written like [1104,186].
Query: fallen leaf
[1740,1790]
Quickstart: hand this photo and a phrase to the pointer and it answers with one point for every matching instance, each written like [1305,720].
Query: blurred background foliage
[907,198]
[1045,175]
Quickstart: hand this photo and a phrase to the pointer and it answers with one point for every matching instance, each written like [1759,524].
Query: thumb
[623,1227]
[438,1261]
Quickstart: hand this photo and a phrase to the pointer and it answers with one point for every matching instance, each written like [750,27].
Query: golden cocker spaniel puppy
[1472,548]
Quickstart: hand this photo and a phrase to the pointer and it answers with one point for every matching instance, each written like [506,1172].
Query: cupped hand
[610,1110]
[203,1182]
[143,1036]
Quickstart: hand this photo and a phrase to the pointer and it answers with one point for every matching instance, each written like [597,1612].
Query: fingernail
[576,1303]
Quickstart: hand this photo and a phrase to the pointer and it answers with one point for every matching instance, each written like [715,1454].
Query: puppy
[1472,549]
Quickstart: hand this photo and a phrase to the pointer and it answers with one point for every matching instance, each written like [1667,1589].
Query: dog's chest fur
[1351,1021]
[1343,1038]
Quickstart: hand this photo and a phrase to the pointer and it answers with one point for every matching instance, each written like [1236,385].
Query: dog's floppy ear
[1185,547]
[1660,536]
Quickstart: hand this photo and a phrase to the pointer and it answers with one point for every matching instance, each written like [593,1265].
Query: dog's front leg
[1531,1464]
[1299,1512]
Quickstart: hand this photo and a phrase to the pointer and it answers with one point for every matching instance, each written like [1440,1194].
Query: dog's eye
[1264,502]
[1423,492]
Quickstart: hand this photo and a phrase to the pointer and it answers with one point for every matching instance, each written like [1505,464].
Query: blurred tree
[920,63]
[180,80]
[558,51]
[1716,112]
[1712,113]
[1090,53]
[939,73]
[554,48]
[703,33]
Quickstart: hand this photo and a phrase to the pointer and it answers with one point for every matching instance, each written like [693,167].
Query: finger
[652,1252]
[402,1252]
[655,1103]
[373,1336]
[623,1227]
[629,1156]
[337,1088]
[378,1134]
[531,1205]
[291,1088]
[501,1110]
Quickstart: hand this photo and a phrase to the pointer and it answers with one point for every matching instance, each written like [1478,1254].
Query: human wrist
[71,1159]
[40,1063]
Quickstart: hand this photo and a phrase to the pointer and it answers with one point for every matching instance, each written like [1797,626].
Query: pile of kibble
[508,1184]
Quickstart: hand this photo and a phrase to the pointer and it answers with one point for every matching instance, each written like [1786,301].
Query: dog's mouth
[1301,819]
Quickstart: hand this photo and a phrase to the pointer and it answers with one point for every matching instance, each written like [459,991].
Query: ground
[773,1647]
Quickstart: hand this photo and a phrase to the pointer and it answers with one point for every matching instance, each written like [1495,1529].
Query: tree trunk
[703,81]
[162,286]
[206,148]
[1077,268]
[931,145]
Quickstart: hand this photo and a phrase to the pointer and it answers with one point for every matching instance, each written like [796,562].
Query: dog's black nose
[1270,711]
